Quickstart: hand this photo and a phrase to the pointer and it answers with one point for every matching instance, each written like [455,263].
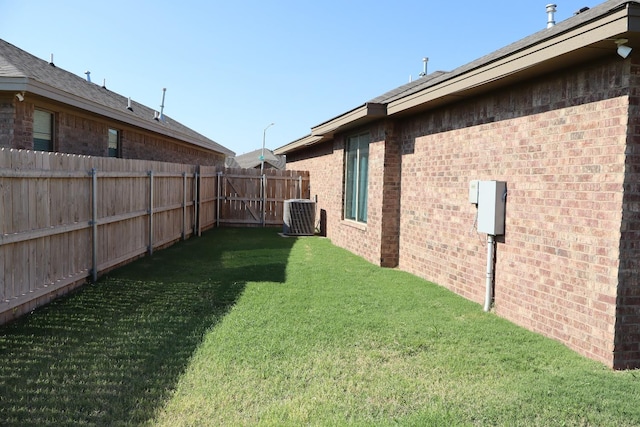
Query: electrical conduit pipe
[490,273]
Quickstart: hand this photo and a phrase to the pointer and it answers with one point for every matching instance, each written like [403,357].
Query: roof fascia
[305,141]
[19,84]
[360,115]
[606,27]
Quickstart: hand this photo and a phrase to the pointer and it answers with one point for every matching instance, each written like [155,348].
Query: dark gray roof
[18,64]
[546,33]
[406,89]
[252,160]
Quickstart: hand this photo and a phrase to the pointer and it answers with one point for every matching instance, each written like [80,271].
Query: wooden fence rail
[65,218]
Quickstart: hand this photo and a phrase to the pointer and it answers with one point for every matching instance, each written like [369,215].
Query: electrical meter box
[492,200]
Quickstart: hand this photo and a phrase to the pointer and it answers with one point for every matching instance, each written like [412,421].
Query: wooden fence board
[244,200]
[3,278]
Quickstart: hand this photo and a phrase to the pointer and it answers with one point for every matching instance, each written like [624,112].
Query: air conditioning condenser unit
[299,217]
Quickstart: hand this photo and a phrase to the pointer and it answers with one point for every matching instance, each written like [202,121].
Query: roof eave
[25,84]
[359,116]
[575,45]
[365,113]
[298,144]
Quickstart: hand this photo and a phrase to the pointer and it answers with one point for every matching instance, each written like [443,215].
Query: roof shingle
[19,64]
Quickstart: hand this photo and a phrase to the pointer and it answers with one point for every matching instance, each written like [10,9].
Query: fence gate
[247,198]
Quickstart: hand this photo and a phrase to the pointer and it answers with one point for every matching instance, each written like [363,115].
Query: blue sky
[233,67]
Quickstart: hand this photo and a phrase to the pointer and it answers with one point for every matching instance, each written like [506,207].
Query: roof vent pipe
[51,60]
[424,67]
[88,73]
[551,10]
[161,117]
[129,104]
[104,83]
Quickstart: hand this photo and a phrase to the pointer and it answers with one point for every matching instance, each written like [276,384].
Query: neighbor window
[42,131]
[356,177]
[114,143]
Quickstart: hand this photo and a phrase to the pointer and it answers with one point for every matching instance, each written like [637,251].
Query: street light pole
[264,135]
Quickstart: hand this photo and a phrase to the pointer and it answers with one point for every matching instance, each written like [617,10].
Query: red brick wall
[556,265]
[559,142]
[7,119]
[627,343]
[16,120]
[78,132]
[390,204]
[137,145]
[80,135]
[325,163]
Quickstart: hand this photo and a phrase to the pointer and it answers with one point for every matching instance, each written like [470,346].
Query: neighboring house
[43,107]
[556,116]
[252,160]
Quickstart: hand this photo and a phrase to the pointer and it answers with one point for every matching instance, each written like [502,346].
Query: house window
[42,131]
[114,143]
[356,177]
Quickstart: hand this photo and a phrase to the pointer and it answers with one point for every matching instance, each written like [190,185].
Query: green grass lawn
[244,327]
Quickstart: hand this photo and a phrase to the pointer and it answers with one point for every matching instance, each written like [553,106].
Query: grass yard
[243,327]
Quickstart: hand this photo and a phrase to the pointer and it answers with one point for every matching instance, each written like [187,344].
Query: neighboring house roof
[22,72]
[585,36]
[252,160]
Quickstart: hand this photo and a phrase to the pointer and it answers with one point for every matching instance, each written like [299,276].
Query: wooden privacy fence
[65,218]
[246,197]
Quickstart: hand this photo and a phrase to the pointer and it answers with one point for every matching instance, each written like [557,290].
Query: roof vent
[88,73]
[104,83]
[51,60]
[582,10]
[424,67]
[156,115]
[129,107]
[551,10]
[161,117]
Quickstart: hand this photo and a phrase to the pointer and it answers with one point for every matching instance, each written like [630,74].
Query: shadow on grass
[112,353]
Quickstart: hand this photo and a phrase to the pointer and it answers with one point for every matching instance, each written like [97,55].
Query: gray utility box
[492,200]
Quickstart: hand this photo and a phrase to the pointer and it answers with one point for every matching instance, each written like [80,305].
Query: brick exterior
[7,120]
[79,132]
[567,265]
[627,342]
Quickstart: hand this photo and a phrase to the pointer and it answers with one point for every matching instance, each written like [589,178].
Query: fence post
[150,212]
[197,229]
[218,182]
[94,225]
[264,198]
[184,205]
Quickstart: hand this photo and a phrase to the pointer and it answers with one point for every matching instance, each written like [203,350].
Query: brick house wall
[7,120]
[79,132]
[325,161]
[627,343]
[559,142]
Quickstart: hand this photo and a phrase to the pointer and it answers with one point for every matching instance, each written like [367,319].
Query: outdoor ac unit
[299,217]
